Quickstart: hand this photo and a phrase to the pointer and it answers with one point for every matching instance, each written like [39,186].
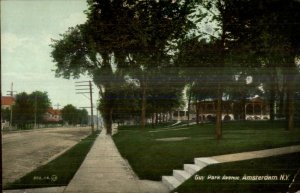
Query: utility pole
[35,109]
[57,106]
[85,87]
[97,115]
[97,120]
[91,100]
[11,93]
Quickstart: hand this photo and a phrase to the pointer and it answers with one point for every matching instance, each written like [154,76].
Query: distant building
[254,109]
[53,115]
[257,109]
[7,102]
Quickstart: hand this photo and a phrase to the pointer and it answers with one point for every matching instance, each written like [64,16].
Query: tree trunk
[290,101]
[170,116]
[218,127]
[143,109]
[197,112]
[243,107]
[189,106]
[108,121]
[281,109]
[271,103]
[272,95]
[289,105]
[160,117]
[152,120]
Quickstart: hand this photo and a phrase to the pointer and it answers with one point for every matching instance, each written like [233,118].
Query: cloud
[11,42]
[73,20]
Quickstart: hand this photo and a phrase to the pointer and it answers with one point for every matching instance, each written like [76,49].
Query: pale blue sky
[27,27]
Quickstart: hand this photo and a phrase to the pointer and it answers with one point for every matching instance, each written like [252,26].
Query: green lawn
[270,170]
[151,159]
[148,126]
[58,172]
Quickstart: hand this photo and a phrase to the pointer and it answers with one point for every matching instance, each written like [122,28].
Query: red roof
[54,111]
[7,100]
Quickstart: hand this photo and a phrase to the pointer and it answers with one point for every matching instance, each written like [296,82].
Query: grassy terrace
[59,171]
[270,169]
[151,159]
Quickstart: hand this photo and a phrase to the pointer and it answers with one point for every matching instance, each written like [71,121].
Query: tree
[158,24]
[30,108]
[74,116]
[82,116]
[196,59]
[272,31]
[41,103]
[215,16]
[23,111]
[118,36]
[70,115]
[165,90]
[95,46]
[5,114]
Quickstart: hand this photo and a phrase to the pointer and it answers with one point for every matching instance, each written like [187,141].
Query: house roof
[53,111]
[7,100]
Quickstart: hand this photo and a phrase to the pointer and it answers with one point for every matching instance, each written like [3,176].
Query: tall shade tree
[69,114]
[158,25]
[94,47]
[30,108]
[198,61]
[41,104]
[73,116]
[272,32]
[119,36]
[212,19]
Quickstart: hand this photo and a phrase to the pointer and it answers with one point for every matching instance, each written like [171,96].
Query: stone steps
[191,168]
[180,176]
[205,161]
[171,182]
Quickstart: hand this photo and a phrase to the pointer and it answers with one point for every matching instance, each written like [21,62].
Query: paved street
[24,151]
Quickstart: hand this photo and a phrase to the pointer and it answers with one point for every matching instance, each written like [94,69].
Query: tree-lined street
[174,81]
[24,151]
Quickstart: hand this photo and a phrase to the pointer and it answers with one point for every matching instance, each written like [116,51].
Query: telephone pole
[35,109]
[11,93]
[57,106]
[85,87]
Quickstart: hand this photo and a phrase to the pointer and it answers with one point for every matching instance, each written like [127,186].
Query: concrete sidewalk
[105,171]
[256,154]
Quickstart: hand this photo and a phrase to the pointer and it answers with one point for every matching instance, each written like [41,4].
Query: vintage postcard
[150,96]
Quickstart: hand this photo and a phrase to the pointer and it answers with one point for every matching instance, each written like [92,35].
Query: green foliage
[73,116]
[5,114]
[30,107]
[206,44]
[134,36]
[41,103]
[83,116]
